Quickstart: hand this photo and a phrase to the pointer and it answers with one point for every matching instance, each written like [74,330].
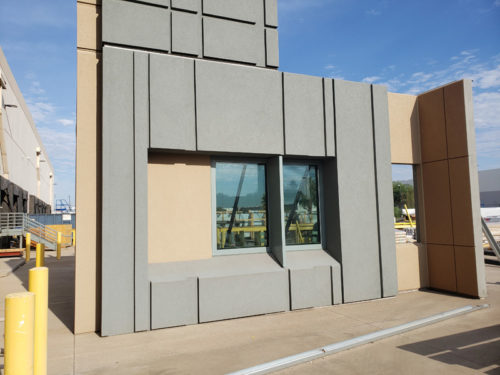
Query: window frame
[213,177]
[319,170]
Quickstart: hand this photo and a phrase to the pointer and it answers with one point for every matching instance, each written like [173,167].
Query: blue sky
[39,41]
[410,46]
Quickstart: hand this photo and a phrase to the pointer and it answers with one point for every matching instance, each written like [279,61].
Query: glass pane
[300,184]
[403,189]
[241,205]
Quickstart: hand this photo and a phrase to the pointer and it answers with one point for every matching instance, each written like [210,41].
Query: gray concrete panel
[271,12]
[230,265]
[117,283]
[275,212]
[136,25]
[186,33]
[243,10]
[329,117]
[272,48]
[304,117]
[239,109]
[243,295]
[141,143]
[385,201]
[174,303]
[302,259]
[191,5]
[356,191]
[234,41]
[310,287]
[172,109]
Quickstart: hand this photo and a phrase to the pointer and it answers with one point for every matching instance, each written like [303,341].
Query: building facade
[26,173]
[211,185]
[489,185]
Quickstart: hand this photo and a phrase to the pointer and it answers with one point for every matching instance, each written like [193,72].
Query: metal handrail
[22,222]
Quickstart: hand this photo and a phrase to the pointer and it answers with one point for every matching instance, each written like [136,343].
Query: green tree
[403,194]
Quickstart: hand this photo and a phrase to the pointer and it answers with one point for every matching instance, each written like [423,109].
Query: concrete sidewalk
[466,344]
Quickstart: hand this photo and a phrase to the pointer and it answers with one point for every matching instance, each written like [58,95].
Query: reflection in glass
[241,205]
[300,184]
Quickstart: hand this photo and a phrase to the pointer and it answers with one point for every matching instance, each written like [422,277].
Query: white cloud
[371,79]
[487,111]
[36,88]
[41,111]
[487,147]
[486,79]
[66,121]
[420,77]
[486,75]
[60,146]
[486,87]
[497,3]
[333,72]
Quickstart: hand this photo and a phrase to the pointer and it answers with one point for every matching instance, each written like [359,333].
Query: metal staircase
[19,224]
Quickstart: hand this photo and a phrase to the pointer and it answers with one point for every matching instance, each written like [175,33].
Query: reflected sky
[228,177]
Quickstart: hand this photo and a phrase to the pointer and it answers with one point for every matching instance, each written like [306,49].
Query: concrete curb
[310,355]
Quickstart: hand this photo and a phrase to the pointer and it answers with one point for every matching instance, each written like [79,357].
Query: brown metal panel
[460,194]
[438,222]
[466,275]
[456,131]
[441,260]
[432,126]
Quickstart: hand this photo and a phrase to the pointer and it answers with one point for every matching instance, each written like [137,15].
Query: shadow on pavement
[10,265]
[476,349]
[61,286]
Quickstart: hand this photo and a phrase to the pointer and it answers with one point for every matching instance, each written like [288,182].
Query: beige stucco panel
[179,208]
[87,192]
[88,34]
[412,266]
[403,120]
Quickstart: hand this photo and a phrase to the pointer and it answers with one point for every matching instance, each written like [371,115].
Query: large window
[301,202]
[241,205]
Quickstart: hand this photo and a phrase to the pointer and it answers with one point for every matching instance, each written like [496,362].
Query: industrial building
[210,185]
[489,187]
[26,173]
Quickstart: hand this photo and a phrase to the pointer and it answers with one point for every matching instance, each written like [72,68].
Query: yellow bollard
[28,247]
[74,237]
[39,285]
[19,333]
[59,239]
[40,255]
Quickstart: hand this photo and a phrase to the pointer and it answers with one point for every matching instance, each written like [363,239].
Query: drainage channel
[310,355]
